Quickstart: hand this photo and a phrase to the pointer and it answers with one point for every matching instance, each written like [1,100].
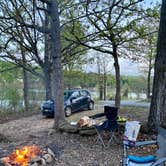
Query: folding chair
[110,125]
[150,160]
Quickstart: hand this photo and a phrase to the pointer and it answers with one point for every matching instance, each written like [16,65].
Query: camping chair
[110,124]
[150,160]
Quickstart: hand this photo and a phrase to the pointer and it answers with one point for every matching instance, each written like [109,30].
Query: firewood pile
[44,158]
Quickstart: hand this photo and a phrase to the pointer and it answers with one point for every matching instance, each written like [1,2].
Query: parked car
[74,100]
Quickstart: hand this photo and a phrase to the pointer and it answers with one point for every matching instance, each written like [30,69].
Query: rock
[48,158]
[35,159]
[86,128]
[43,161]
[66,127]
[34,164]
[51,152]
[87,132]
[3,138]
[51,132]
[1,162]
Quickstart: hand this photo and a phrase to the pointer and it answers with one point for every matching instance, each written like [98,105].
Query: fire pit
[29,156]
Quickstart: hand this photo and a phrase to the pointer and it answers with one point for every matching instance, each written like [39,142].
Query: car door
[84,98]
[75,101]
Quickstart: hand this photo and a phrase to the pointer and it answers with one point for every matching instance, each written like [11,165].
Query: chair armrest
[159,161]
[142,143]
[97,115]
[138,143]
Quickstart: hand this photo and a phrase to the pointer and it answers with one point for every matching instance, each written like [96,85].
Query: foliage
[9,84]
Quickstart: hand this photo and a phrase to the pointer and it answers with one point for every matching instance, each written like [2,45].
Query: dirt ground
[71,149]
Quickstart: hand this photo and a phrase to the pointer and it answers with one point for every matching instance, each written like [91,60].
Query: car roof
[72,90]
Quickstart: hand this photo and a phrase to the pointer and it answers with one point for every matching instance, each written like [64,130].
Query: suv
[74,100]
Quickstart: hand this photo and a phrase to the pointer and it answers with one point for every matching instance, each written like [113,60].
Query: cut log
[87,132]
[66,127]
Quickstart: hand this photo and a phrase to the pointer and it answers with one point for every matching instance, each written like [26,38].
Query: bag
[131,130]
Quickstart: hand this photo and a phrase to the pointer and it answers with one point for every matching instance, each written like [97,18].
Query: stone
[87,132]
[51,152]
[48,158]
[43,161]
[66,127]
[35,159]
[51,132]
[34,164]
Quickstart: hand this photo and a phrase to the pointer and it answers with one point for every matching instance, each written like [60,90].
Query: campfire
[29,156]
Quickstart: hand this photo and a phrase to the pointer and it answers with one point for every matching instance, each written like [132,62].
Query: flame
[21,157]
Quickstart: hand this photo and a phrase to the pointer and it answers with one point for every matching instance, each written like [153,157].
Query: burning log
[29,156]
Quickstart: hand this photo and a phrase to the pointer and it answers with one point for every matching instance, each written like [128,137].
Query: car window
[66,95]
[84,93]
[75,94]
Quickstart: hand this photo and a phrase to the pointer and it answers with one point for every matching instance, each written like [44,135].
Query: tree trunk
[100,86]
[47,62]
[117,75]
[148,81]
[58,85]
[100,80]
[149,75]
[105,85]
[157,115]
[47,82]
[25,82]
[25,89]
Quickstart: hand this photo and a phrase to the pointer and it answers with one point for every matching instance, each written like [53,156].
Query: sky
[127,67]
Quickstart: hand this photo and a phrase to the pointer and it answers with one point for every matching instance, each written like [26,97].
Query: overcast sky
[127,67]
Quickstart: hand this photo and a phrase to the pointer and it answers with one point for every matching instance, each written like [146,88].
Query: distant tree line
[11,84]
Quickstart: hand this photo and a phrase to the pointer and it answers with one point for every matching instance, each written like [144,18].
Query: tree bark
[105,85]
[117,75]
[47,62]
[100,86]
[100,80]
[149,80]
[157,115]
[47,82]
[58,85]
[25,90]
[25,84]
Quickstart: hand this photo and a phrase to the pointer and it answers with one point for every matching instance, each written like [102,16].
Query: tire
[68,111]
[91,106]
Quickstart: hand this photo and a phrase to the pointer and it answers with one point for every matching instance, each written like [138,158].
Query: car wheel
[91,106]
[68,111]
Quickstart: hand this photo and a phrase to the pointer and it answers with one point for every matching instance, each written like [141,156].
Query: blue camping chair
[110,125]
[158,160]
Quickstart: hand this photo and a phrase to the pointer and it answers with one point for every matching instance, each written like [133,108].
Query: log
[66,127]
[89,132]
